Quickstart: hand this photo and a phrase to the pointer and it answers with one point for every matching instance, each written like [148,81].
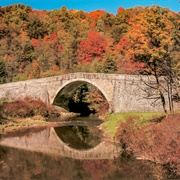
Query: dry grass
[9,125]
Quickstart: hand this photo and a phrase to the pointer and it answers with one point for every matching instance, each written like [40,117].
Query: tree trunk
[159,87]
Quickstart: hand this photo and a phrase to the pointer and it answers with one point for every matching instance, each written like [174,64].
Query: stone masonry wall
[124,93]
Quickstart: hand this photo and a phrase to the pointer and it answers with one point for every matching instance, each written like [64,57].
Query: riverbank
[12,125]
[26,113]
[113,121]
[148,136]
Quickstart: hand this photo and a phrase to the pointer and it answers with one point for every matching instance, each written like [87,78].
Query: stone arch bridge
[124,93]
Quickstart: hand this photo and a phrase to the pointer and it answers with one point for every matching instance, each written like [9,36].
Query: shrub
[158,142]
[27,108]
[17,109]
[38,107]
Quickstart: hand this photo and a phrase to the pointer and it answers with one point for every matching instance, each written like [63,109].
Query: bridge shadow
[80,107]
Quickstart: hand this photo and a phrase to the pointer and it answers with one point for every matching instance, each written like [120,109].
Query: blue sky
[91,5]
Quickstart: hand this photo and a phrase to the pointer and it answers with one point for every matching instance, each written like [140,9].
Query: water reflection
[19,164]
[75,141]
[79,137]
[74,152]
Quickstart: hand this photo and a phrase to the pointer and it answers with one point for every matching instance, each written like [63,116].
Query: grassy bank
[9,125]
[113,121]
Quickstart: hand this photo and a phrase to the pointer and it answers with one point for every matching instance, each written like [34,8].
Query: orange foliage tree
[95,15]
[36,71]
[94,47]
[147,46]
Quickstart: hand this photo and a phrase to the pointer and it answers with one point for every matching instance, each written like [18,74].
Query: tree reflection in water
[19,164]
[79,137]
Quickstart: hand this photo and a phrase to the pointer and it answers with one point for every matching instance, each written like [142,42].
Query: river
[76,150]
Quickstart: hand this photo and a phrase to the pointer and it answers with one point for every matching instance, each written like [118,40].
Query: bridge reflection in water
[52,141]
[48,154]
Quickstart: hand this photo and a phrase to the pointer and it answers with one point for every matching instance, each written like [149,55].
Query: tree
[109,19]
[173,23]
[4,31]
[95,15]
[22,52]
[2,72]
[96,100]
[100,25]
[36,29]
[65,51]
[91,48]
[35,71]
[110,64]
[148,43]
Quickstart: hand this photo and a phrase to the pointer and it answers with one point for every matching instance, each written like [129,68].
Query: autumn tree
[35,71]
[79,14]
[96,100]
[65,50]
[173,24]
[120,25]
[139,39]
[4,30]
[148,43]
[98,14]
[93,47]
[14,16]
[36,28]
[110,64]
[22,51]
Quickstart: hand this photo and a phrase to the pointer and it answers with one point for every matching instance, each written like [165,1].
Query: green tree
[109,64]
[109,20]
[2,72]
[100,25]
[36,29]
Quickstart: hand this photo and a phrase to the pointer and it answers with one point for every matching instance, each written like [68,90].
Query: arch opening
[83,98]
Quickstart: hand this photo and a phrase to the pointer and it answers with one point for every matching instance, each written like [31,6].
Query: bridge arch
[70,85]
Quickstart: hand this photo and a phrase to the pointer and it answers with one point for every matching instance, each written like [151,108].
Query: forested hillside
[37,44]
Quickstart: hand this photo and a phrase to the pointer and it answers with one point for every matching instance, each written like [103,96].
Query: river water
[73,151]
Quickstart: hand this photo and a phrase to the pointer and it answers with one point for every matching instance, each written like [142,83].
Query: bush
[38,107]
[26,108]
[158,142]
[16,109]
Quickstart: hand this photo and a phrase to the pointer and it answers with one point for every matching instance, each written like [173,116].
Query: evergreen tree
[2,73]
